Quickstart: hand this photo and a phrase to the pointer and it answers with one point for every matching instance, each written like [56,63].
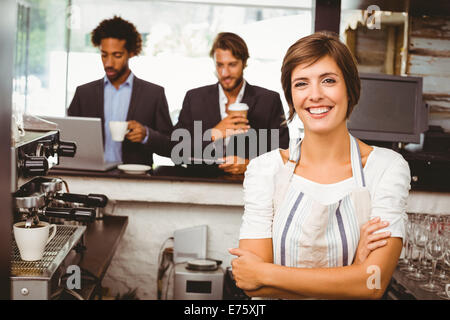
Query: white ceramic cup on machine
[32,241]
[118,130]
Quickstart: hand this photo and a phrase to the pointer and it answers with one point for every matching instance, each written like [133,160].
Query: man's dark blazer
[148,106]
[265,111]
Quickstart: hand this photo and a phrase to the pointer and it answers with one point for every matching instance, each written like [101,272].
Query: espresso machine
[37,197]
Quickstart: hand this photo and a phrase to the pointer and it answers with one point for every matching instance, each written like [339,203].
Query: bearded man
[209,105]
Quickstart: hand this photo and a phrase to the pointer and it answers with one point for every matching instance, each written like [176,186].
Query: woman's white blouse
[387,177]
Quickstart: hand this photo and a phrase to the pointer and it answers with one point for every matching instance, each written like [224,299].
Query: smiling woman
[315,226]
[306,52]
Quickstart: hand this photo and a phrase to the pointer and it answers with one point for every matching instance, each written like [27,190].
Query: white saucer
[134,168]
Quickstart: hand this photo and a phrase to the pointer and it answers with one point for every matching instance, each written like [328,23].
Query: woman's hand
[245,269]
[369,241]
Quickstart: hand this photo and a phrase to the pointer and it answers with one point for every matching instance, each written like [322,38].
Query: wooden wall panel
[429,57]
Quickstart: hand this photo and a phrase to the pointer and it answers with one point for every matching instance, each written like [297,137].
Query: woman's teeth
[319,110]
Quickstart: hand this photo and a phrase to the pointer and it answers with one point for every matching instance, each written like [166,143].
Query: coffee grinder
[196,277]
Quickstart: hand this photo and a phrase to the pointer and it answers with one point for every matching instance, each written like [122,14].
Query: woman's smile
[319,112]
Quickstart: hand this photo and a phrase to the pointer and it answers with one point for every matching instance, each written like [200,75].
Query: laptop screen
[87,134]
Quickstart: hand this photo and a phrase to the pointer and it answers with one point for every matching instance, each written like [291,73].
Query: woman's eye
[329,80]
[300,84]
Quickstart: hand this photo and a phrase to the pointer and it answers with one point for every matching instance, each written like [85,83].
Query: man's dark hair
[121,29]
[234,43]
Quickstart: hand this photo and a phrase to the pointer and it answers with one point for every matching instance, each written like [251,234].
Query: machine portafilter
[44,197]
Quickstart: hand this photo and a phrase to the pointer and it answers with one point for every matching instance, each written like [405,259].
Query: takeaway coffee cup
[118,130]
[32,241]
[238,109]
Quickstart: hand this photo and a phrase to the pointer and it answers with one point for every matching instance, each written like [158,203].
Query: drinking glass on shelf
[435,248]
[405,261]
[419,217]
[420,239]
[443,294]
[442,268]
[407,265]
[442,220]
[430,224]
[444,230]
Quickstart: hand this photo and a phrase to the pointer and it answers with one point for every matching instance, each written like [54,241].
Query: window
[177,36]
[40,33]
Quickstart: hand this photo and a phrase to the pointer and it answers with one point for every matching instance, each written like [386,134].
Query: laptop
[87,134]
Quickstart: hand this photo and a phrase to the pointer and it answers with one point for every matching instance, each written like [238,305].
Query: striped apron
[308,234]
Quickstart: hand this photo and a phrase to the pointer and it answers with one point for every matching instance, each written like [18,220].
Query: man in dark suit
[209,104]
[121,96]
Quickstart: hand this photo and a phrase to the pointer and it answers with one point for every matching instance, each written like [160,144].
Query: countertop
[101,240]
[200,173]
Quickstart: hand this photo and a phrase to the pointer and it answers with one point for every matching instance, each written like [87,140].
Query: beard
[118,74]
[234,85]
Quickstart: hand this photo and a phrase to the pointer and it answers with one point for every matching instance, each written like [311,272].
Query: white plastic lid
[238,107]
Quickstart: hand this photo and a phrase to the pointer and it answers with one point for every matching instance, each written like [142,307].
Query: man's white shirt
[223,100]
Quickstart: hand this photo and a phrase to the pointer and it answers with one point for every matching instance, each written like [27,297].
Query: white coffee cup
[118,130]
[238,109]
[32,241]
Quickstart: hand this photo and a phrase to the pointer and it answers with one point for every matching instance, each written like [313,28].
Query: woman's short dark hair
[118,28]
[312,48]
[234,43]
